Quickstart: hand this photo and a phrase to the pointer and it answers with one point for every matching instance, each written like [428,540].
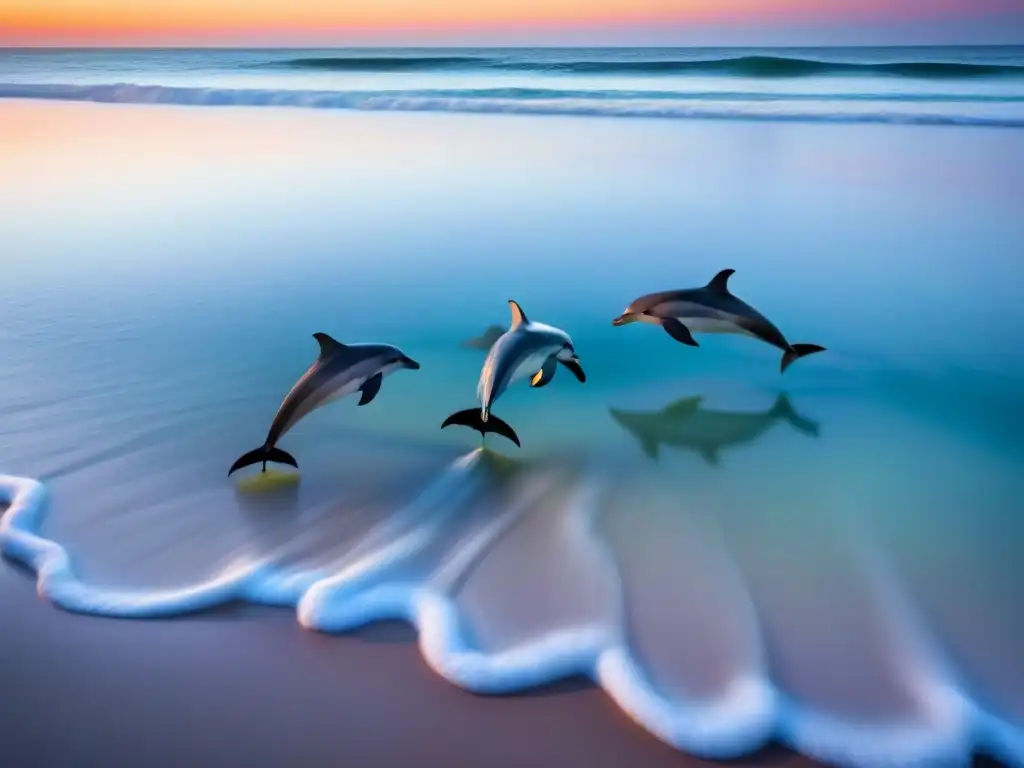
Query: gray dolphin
[486,339]
[684,424]
[525,349]
[340,370]
[710,309]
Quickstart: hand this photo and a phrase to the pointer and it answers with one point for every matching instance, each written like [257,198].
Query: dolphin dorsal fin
[518,316]
[327,344]
[720,282]
[683,406]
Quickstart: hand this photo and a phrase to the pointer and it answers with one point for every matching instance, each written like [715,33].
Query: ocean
[956,85]
[824,557]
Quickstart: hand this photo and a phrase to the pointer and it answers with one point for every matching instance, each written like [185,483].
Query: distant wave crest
[737,66]
[504,101]
[380,63]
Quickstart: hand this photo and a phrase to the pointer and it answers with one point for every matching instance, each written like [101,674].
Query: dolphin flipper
[370,388]
[710,455]
[650,448]
[546,373]
[263,454]
[576,368]
[472,418]
[678,331]
[795,352]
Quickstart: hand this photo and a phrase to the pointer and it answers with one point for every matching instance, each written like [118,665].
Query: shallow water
[828,557]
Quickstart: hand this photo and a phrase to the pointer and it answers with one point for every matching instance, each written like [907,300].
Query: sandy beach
[247,686]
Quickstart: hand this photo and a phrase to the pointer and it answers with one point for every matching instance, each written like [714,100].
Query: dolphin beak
[622,320]
[411,364]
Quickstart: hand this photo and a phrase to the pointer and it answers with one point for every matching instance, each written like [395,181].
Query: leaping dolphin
[340,370]
[525,349]
[684,424]
[710,309]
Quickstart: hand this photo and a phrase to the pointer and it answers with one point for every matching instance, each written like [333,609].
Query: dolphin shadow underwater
[684,424]
[712,308]
[485,340]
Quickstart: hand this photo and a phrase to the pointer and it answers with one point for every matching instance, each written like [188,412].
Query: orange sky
[205,21]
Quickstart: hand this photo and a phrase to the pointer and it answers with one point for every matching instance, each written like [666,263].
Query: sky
[509,22]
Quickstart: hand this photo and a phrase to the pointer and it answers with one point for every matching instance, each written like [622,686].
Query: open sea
[958,85]
[826,557]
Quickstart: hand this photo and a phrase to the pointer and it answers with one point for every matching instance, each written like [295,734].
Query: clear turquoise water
[165,267]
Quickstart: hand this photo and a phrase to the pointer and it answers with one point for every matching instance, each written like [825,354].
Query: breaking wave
[463,558]
[529,101]
[736,66]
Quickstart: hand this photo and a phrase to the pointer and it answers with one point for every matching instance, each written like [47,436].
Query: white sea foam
[401,569]
[638,105]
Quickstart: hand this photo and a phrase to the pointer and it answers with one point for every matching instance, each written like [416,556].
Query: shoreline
[242,685]
[355,103]
[245,685]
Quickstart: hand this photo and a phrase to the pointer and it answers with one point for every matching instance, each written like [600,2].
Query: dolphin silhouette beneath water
[486,339]
[710,309]
[525,349]
[684,424]
[340,370]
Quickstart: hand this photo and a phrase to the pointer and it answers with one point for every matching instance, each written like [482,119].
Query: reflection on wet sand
[685,424]
[328,530]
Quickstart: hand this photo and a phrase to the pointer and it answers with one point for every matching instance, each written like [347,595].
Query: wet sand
[249,687]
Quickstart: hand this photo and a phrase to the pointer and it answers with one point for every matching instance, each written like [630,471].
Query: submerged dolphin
[710,309]
[684,424]
[486,339]
[525,349]
[340,370]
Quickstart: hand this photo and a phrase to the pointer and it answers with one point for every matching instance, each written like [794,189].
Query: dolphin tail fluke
[472,418]
[784,409]
[795,352]
[263,454]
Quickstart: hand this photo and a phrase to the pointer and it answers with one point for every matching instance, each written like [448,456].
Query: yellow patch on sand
[267,482]
[498,463]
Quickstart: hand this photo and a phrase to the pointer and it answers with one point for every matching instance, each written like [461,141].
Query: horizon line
[229,47]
